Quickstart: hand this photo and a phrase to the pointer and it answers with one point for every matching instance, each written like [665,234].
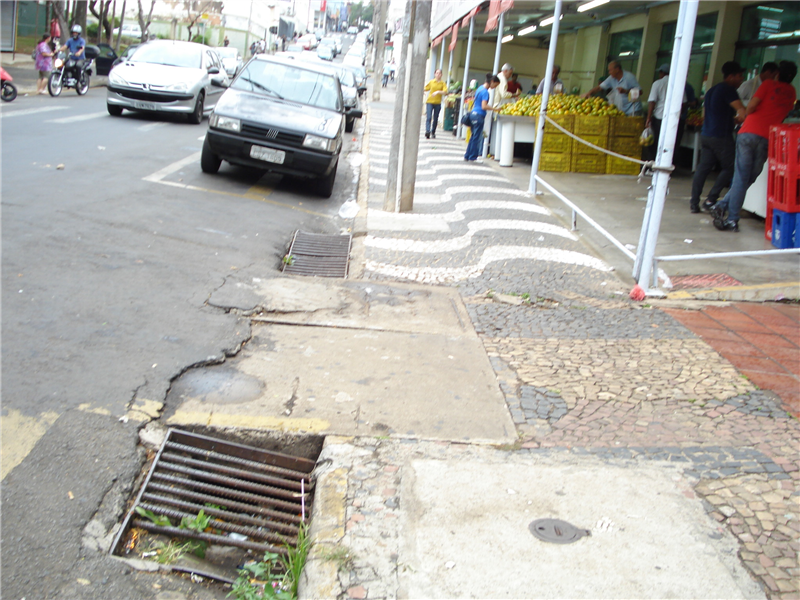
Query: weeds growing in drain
[263,580]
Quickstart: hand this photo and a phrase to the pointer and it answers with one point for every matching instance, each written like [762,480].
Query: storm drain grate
[692,282]
[318,255]
[256,499]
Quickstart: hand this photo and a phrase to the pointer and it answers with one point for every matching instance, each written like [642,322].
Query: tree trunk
[121,21]
[79,14]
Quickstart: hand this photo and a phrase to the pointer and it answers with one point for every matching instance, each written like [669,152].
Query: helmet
[76,29]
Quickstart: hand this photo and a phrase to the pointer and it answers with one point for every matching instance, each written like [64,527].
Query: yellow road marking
[208,419]
[20,434]
[683,294]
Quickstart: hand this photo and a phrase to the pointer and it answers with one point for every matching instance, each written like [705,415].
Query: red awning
[454,39]
[470,14]
[496,8]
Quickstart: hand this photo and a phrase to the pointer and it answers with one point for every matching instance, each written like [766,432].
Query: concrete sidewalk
[628,424]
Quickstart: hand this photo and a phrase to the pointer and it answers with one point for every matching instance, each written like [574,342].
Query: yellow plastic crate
[597,140]
[557,143]
[627,146]
[592,125]
[584,163]
[566,121]
[550,161]
[626,126]
[617,166]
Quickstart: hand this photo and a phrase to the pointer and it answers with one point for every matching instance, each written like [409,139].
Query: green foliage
[168,553]
[159,520]
[202,39]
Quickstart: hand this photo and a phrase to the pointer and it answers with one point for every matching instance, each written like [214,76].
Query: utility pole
[380,46]
[416,85]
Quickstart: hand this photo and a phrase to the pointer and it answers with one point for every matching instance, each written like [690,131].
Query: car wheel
[54,84]
[325,184]
[83,85]
[348,124]
[209,161]
[197,115]
[114,110]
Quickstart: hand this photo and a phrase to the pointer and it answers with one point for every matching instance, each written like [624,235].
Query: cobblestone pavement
[584,370]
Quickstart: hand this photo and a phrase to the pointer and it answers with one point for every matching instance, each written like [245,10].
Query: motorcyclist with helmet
[76,46]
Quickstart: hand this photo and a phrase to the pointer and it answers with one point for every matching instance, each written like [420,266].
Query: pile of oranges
[561,104]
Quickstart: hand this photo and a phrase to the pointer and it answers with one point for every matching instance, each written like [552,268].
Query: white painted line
[447,195]
[378,220]
[30,111]
[169,169]
[78,118]
[440,180]
[153,125]
[426,160]
[461,242]
[492,254]
[434,170]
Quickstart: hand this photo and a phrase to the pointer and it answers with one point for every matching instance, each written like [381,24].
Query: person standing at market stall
[623,89]
[722,109]
[479,108]
[433,105]
[769,106]
[514,86]
[556,81]
[749,87]
[655,107]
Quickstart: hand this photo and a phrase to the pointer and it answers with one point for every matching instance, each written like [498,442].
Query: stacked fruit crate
[783,186]
[624,139]
[556,145]
[593,129]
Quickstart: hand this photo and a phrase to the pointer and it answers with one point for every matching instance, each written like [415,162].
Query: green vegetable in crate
[647,138]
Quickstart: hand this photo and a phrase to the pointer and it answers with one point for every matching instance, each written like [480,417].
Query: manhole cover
[556,531]
[318,255]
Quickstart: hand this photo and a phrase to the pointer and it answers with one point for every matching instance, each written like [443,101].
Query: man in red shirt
[769,106]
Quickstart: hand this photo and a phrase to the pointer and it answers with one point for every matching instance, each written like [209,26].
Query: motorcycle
[9,89]
[63,75]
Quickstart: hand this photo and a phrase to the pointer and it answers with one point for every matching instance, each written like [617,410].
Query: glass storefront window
[703,43]
[624,47]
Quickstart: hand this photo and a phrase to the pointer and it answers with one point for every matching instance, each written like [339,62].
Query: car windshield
[227,52]
[173,55]
[289,83]
[347,78]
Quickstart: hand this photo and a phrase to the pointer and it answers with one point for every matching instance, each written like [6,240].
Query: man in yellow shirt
[436,89]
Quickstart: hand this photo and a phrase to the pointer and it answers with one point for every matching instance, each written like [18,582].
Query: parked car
[360,74]
[308,41]
[125,55]
[352,30]
[129,30]
[325,52]
[106,57]
[295,48]
[282,115]
[167,76]
[349,93]
[231,59]
[337,38]
[329,41]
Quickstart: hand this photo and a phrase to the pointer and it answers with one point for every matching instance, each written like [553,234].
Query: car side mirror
[361,90]
[213,70]
[355,113]
[219,82]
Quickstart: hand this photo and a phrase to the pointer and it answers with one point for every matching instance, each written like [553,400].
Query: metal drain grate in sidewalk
[318,255]
[256,499]
[691,282]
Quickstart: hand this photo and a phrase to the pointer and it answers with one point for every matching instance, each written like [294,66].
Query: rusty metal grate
[318,255]
[260,497]
[691,282]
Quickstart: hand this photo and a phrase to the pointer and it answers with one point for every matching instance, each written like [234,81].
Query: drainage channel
[223,494]
[318,255]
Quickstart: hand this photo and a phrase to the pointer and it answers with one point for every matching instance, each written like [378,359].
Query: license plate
[144,105]
[267,154]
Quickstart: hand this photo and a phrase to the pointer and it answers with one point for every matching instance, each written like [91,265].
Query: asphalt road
[107,265]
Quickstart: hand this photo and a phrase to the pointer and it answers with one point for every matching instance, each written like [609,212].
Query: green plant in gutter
[160,520]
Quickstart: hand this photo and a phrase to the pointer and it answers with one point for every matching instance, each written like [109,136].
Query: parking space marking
[77,118]
[30,111]
[150,126]
[250,194]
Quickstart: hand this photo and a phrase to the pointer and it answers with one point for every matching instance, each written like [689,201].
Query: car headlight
[181,86]
[229,123]
[114,78]
[319,143]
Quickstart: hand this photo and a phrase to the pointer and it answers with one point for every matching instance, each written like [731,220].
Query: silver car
[167,76]
[231,60]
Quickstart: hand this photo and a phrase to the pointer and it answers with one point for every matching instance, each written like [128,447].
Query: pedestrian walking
[479,108]
[436,89]
[43,62]
[722,109]
[769,106]
[387,72]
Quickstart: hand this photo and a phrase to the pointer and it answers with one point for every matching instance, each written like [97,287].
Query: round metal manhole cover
[556,531]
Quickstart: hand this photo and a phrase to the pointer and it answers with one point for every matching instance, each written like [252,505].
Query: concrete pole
[415,82]
[393,169]
[495,70]
[548,84]
[380,46]
[465,81]
[679,69]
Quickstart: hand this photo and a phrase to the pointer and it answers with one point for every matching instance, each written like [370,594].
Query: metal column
[495,70]
[465,81]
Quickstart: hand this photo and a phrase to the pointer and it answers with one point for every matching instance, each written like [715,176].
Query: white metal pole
[548,83]
[441,56]
[465,80]
[495,70]
[669,127]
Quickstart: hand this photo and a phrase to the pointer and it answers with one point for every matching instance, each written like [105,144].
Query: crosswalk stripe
[78,118]
[30,111]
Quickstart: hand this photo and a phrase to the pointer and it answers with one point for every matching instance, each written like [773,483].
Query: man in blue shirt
[619,85]
[479,107]
[76,46]
[722,109]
